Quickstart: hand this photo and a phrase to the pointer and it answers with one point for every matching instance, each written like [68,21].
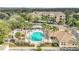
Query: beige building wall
[65,39]
[58,15]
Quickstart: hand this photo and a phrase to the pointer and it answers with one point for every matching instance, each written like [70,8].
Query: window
[63,43]
[53,37]
[60,16]
[74,44]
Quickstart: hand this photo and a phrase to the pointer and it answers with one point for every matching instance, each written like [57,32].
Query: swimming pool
[37,36]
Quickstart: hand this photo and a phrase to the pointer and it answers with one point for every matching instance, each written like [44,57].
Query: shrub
[17,34]
[12,45]
[12,40]
[21,43]
[1,39]
[38,49]
[55,44]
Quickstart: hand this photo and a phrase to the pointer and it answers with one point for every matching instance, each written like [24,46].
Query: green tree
[77,23]
[45,26]
[61,22]
[29,24]
[68,13]
[45,18]
[54,28]
[13,24]
[4,30]
[32,17]
[49,27]
[16,21]
[71,21]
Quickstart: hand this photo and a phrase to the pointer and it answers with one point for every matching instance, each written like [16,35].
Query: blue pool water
[36,36]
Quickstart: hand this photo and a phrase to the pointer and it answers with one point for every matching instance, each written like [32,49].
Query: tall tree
[4,30]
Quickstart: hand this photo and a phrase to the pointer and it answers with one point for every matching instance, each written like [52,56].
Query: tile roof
[61,35]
